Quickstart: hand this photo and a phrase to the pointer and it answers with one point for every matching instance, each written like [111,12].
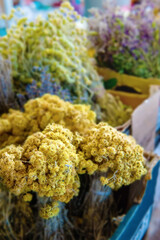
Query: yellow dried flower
[113,111]
[27,197]
[46,164]
[5,126]
[67,142]
[124,165]
[50,210]
[16,126]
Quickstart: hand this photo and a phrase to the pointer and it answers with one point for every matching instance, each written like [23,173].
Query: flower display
[107,150]
[48,163]
[15,126]
[58,148]
[127,44]
[99,148]
[45,150]
[45,164]
[60,44]
[55,61]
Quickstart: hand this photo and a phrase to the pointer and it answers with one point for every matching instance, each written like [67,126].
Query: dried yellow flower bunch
[46,164]
[64,141]
[16,126]
[58,153]
[113,111]
[13,128]
[113,152]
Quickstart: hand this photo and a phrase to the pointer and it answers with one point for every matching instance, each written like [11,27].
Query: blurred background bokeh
[81,6]
[32,8]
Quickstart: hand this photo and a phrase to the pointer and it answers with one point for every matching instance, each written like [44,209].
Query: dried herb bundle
[6,88]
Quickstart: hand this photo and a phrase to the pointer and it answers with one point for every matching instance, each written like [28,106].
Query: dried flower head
[63,141]
[107,150]
[16,126]
[113,111]
[46,164]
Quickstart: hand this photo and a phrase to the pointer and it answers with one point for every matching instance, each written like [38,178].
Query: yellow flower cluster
[27,197]
[16,126]
[50,210]
[13,128]
[48,162]
[113,111]
[59,43]
[63,141]
[45,164]
[107,150]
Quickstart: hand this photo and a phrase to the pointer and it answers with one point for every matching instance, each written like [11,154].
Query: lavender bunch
[127,44]
[47,84]
[41,84]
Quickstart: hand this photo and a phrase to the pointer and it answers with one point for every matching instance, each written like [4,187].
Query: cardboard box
[144,122]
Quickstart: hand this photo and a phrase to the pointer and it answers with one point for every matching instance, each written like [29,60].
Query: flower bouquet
[127,47]
[55,61]
[48,145]
[43,152]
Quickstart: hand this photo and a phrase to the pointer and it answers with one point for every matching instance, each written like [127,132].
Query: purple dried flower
[44,84]
[126,43]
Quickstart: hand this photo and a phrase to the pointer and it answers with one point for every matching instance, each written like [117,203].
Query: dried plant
[6,91]
[96,213]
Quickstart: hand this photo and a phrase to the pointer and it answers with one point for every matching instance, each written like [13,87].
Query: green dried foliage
[59,43]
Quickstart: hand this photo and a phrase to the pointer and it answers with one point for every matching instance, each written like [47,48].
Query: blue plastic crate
[2,32]
[127,131]
[158,120]
[157,140]
[136,222]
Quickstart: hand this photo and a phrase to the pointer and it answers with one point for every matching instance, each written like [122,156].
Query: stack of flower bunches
[15,126]
[127,44]
[50,160]
[54,61]
[58,43]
